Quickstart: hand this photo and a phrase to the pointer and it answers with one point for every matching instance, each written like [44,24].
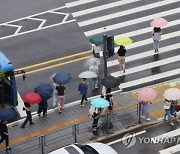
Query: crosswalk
[132,18]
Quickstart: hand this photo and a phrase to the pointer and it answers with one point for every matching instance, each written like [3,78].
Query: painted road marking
[40,27]
[170,134]
[148,66]
[122,139]
[100,8]
[173,149]
[79,2]
[117,14]
[130,22]
[145,54]
[150,78]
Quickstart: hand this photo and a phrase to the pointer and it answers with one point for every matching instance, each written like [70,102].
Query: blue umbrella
[7,114]
[62,78]
[100,102]
[45,90]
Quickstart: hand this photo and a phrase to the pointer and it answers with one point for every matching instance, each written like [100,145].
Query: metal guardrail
[80,132]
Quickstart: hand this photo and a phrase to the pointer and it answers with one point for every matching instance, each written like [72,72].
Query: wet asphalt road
[142,144]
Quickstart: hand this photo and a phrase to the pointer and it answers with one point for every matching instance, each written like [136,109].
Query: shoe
[31,123]
[22,126]
[143,117]
[44,114]
[53,107]
[148,119]
[96,87]
[82,105]
[39,114]
[171,124]
[124,71]
[60,111]
[165,119]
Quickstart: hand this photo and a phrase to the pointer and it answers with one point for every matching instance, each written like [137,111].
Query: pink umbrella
[172,94]
[159,22]
[147,94]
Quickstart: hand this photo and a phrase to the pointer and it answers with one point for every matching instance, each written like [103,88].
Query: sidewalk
[57,126]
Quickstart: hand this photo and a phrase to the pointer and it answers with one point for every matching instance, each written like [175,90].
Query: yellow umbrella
[123,41]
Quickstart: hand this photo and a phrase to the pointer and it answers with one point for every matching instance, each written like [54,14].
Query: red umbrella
[147,94]
[32,98]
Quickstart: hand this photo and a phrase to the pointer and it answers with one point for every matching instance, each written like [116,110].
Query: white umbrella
[91,61]
[87,74]
[172,94]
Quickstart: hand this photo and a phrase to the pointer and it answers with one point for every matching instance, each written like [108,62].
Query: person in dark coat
[27,108]
[42,107]
[83,87]
[4,132]
[121,57]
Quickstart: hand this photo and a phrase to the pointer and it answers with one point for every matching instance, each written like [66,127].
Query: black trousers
[95,122]
[44,110]
[28,118]
[6,138]
[83,98]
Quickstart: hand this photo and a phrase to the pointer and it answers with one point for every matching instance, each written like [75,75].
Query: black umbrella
[110,82]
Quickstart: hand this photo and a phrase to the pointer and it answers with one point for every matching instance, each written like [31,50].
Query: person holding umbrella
[94,68]
[61,96]
[27,108]
[156,36]
[55,95]
[4,132]
[83,87]
[42,107]
[121,57]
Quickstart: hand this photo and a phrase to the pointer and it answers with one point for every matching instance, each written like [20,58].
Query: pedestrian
[95,116]
[4,132]
[121,58]
[61,96]
[156,36]
[103,92]
[55,96]
[173,109]
[42,107]
[109,97]
[27,108]
[83,87]
[94,81]
[145,110]
[167,106]
[96,49]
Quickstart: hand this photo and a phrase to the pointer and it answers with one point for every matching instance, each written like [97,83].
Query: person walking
[95,116]
[96,51]
[156,36]
[83,87]
[167,106]
[145,110]
[4,132]
[94,81]
[55,96]
[109,97]
[173,109]
[27,108]
[61,96]
[42,107]
[121,58]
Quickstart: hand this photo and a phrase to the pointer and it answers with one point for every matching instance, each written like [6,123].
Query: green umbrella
[97,39]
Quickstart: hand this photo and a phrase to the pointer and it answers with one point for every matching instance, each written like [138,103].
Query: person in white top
[94,68]
[156,36]
[96,51]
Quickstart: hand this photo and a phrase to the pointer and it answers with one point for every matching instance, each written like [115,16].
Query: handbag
[177,108]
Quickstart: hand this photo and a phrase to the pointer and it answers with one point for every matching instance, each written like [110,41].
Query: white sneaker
[165,119]
[148,119]
[172,124]
[143,117]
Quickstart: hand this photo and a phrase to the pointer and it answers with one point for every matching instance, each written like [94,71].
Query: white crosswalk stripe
[104,18]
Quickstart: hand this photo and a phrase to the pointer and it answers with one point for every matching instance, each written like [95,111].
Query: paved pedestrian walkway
[56,127]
